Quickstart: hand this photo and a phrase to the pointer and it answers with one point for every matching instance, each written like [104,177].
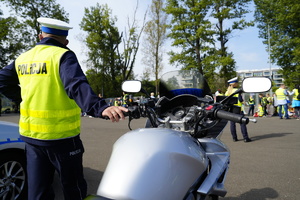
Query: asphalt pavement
[266,168]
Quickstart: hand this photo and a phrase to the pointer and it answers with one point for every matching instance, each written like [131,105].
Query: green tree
[232,11]
[10,41]
[192,35]
[102,42]
[28,11]
[155,37]
[131,43]
[278,23]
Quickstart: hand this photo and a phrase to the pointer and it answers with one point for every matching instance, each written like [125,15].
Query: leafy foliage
[233,11]
[20,31]
[28,11]
[280,21]
[197,26]
[155,37]
[10,42]
[102,41]
[191,32]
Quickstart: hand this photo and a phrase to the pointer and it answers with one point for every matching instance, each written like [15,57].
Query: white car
[13,179]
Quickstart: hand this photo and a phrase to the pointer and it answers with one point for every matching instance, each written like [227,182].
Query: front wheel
[12,176]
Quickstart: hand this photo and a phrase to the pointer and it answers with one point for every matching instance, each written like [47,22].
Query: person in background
[281,94]
[52,88]
[269,104]
[152,95]
[117,102]
[296,101]
[260,110]
[110,103]
[125,100]
[251,104]
[263,102]
[233,84]
[275,105]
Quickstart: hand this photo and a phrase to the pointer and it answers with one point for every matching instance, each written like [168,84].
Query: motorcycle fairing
[153,164]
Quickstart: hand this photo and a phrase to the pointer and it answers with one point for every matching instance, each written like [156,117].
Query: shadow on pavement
[257,194]
[271,135]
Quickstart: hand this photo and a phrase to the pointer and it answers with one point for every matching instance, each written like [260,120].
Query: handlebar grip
[232,117]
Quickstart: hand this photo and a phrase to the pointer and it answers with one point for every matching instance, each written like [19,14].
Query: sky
[249,51]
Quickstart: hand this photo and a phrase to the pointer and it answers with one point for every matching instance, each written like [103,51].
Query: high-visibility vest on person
[251,101]
[125,99]
[280,94]
[46,111]
[260,111]
[296,93]
[239,104]
[264,101]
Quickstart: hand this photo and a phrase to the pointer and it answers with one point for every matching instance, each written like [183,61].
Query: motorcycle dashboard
[176,104]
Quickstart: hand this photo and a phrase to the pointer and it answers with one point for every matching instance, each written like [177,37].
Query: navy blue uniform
[243,126]
[64,156]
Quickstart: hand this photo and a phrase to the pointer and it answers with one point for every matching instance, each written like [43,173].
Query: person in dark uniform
[53,92]
[251,104]
[233,84]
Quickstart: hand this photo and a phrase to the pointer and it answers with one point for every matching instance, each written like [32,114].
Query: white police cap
[233,80]
[54,26]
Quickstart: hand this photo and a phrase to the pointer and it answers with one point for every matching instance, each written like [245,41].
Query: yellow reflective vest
[239,104]
[260,111]
[296,92]
[280,94]
[46,111]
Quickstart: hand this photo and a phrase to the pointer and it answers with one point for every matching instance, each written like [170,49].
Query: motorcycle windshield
[180,82]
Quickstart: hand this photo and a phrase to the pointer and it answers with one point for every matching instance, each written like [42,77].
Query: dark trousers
[285,107]
[66,159]
[243,130]
[251,110]
[265,110]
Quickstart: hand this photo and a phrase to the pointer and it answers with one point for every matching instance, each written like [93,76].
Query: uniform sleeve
[9,83]
[77,86]
[241,98]
[292,93]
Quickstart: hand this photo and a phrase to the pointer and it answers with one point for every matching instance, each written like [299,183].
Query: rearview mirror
[131,86]
[256,84]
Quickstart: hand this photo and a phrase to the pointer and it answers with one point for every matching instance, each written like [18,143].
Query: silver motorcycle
[178,155]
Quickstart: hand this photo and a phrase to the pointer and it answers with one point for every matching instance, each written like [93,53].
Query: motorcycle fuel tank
[153,163]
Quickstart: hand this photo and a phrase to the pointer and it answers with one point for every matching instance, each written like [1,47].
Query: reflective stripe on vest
[46,112]
[280,94]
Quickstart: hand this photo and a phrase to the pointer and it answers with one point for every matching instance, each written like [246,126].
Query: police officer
[233,84]
[251,104]
[53,90]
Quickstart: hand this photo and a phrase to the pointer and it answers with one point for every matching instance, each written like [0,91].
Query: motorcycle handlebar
[231,117]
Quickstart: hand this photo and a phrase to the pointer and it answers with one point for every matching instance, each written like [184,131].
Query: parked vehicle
[12,163]
[179,154]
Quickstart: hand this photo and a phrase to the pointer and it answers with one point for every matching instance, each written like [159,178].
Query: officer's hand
[115,113]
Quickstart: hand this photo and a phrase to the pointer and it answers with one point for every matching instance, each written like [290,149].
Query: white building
[275,76]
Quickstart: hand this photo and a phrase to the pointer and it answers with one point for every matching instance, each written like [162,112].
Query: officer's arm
[77,87]
[9,83]
[240,98]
